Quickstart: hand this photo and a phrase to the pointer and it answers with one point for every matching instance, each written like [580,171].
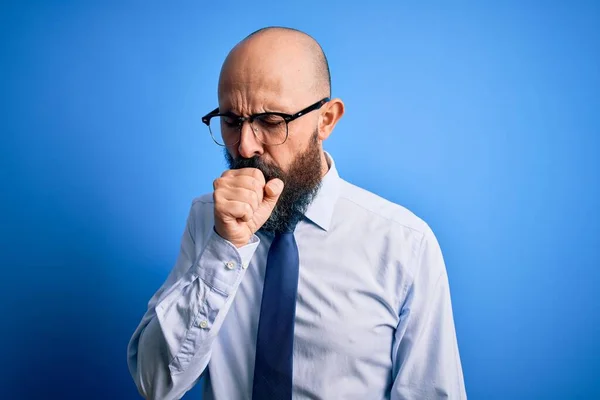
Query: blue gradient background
[481,118]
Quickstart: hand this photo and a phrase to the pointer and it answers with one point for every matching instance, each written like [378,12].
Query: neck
[324,164]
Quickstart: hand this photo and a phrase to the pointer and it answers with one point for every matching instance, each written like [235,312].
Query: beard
[302,182]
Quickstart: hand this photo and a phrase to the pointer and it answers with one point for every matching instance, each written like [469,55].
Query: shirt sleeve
[426,361]
[171,347]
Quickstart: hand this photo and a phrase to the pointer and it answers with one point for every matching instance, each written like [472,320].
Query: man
[291,281]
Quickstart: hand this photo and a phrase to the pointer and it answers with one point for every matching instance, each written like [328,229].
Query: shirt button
[203,324]
[230,265]
[245,265]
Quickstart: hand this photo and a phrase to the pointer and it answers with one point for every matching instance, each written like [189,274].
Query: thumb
[273,190]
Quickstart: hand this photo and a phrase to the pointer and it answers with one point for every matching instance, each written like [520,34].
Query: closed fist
[243,203]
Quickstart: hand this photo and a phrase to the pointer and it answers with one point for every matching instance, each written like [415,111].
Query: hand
[243,203]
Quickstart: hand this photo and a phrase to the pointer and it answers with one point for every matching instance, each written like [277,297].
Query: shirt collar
[320,211]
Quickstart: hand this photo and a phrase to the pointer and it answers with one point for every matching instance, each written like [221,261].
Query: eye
[270,120]
[230,122]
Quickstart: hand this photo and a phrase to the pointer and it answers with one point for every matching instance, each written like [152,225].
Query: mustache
[269,170]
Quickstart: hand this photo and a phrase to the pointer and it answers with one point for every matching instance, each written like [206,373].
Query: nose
[249,145]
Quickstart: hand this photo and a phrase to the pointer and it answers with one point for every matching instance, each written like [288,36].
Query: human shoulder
[372,205]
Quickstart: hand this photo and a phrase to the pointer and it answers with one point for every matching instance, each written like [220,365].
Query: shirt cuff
[247,252]
[229,262]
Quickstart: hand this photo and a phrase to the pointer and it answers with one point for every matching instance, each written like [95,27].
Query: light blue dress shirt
[373,316]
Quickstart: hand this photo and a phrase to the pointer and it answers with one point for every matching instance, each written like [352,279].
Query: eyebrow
[266,109]
[229,112]
[232,113]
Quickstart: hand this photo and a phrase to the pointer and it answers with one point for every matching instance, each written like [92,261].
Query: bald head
[314,51]
[276,62]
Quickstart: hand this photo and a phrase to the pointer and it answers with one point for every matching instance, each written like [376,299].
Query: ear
[331,113]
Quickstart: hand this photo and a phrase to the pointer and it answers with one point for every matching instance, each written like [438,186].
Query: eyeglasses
[270,128]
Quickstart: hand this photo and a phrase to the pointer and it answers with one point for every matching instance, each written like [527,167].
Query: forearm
[172,346]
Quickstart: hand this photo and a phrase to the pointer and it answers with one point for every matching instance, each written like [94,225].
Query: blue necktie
[273,366]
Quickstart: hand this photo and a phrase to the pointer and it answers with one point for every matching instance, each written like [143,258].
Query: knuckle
[254,197]
[258,185]
[217,183]
[218,203]
[257,174]
[254,183]
[217,194]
